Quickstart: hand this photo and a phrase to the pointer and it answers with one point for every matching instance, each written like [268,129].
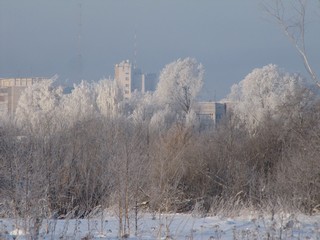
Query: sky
[229,37]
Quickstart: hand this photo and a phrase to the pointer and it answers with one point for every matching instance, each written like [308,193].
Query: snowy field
[173,226]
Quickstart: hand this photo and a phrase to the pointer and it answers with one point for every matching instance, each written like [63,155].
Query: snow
[175,226]
[179,84]
[263,92]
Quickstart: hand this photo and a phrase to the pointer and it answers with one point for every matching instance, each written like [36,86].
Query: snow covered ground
[174,226]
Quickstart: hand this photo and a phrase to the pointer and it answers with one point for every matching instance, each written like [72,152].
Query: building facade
[11,90]
[210,113]
[130,79]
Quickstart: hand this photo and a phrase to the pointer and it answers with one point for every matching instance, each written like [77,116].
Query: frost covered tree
[179,84]
[38,106]
[108,97]
[161,120]
[142,106]
[262,92]
[80,104]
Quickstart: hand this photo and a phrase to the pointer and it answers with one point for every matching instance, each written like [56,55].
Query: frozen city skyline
[230,38]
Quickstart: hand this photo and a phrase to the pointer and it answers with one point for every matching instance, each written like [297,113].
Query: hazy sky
[229,37]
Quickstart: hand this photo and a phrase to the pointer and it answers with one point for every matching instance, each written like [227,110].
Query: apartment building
[130,79]
[11,90]
[210,113]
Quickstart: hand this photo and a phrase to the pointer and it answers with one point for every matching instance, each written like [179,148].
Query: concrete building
[11,90]
[130,79]
[210,113]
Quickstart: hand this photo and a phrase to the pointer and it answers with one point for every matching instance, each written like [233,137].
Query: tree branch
[294,29]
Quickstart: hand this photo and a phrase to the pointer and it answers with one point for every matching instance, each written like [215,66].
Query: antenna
[135,51]
[79,67]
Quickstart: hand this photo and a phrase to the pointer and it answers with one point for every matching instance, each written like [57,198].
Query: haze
[230,38]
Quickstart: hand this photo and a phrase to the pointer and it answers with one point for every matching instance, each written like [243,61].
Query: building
[210,113]
[11,90]
[130,79]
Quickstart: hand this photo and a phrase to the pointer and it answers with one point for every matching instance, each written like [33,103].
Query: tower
[79,45]
[135,49]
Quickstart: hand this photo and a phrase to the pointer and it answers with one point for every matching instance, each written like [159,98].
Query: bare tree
[294,27]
